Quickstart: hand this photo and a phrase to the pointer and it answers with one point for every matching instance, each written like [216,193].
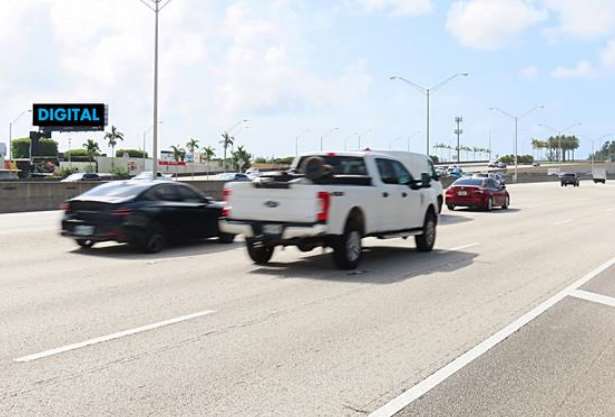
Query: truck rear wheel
[261,255]
[347,248]
[426,241]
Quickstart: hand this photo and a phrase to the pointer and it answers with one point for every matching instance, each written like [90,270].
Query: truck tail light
[324,203]
[226,195]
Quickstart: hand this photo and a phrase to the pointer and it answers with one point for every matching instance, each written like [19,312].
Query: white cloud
[586,18]
[608,55]
[489,24]
[397,7]
[529,72]
[583,69]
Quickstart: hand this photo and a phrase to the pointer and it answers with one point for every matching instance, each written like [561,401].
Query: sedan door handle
[385,194]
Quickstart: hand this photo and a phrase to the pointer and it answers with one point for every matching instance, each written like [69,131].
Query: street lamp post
[359,137]
[155,6]
[299,136]
[145,132]
[559,133]
[516,118]
[11,131]
[428,92]
[322,137]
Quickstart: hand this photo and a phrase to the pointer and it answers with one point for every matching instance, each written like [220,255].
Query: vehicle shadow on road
[123,251]
[380,265]
[446,219]
[509,210]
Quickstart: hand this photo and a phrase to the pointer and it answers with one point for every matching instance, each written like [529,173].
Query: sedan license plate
[462,193]
[272,229]
[82,230]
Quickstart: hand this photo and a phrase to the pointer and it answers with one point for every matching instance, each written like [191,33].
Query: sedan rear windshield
[342,165]
[469,181]
[117,189]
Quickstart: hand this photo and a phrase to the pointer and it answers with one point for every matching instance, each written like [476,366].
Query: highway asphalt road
[199,331]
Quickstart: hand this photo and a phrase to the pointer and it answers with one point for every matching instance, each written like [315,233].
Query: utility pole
[458,132]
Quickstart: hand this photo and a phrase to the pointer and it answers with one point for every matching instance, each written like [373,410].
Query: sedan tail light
[65,207]
[121,212]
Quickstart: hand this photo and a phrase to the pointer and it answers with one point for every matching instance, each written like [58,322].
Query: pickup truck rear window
[342,165]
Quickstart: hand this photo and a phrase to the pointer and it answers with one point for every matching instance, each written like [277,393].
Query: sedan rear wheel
[85,243]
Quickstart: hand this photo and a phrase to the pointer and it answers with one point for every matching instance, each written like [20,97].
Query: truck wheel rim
[430,232]
[353,246]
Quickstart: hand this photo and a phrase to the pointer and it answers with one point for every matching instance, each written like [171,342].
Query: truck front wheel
[347,248]
[261,255]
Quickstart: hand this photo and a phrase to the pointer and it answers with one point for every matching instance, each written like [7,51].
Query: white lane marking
[426,385]
[593,297]
[468,246]
[562,222]
[112,336]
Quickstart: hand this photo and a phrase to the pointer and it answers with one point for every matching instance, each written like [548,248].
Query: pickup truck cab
[332,200]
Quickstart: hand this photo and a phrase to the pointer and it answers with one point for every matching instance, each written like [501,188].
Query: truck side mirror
[426,180]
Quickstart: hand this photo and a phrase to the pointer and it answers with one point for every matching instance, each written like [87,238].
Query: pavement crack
[355,409]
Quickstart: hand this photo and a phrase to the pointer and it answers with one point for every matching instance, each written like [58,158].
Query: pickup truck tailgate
[298,203]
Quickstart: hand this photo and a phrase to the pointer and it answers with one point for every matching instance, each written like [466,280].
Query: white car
[149,175]
[332,200]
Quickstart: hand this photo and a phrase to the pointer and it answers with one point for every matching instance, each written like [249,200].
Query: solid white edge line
[468,246]
[112,336]
[593,297]
[423,387]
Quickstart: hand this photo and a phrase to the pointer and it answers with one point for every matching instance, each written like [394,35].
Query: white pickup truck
[334,200]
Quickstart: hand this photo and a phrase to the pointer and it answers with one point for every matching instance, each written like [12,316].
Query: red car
[483,193]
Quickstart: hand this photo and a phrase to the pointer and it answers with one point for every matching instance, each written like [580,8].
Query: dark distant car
[536,164]
[480,193]
[144,214]
[82,176]
[569,178]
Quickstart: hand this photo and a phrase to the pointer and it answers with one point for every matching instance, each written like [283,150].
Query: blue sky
[292,65]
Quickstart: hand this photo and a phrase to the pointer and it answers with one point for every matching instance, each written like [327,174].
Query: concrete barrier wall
[21,196]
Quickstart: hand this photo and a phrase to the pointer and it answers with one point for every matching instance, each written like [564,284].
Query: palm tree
[208,152]
[92,149]
[227,140]
[192,145]
[112,138]
[179,154]
[241,158]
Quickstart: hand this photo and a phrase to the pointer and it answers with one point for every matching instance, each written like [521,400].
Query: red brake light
[324,202]
[226,210]
[121,212]
[65,207]
[330,153]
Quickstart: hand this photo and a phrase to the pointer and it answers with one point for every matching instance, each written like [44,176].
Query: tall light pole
[322,137]
[516,118]
[361,134]
[11,131]
[428,92]
[155,6]
[559,133]
[145,132]
[458,132]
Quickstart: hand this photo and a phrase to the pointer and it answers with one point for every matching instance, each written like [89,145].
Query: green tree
[92,149]
[112,138]
[241,159]
[227,140]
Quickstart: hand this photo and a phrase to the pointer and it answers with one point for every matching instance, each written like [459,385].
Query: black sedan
[569,178]
[144,214]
